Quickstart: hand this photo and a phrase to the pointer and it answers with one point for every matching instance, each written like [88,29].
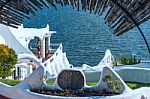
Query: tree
[8,59]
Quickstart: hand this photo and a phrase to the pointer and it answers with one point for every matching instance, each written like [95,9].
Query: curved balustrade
[56,62]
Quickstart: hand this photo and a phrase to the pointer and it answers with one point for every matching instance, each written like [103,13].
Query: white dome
[2,40]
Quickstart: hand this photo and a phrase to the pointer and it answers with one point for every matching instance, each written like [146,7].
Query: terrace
[120,16]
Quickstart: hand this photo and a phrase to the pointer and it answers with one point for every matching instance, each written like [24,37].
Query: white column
[16,71]
[43,47]
[49,42]
[30,69]
[21,73]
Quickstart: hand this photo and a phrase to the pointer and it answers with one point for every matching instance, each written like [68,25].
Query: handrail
[54,55]
[55,44]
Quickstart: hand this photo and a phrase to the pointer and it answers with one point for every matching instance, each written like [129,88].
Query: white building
[35,42]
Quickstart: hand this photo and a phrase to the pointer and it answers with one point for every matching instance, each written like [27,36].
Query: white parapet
[57,62]
[35,80]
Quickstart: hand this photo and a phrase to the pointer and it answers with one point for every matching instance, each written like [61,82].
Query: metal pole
[144,38]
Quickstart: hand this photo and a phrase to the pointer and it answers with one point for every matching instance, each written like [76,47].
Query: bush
[8,59]
[112,83]
[128,60]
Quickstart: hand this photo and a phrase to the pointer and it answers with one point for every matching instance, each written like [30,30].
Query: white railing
[54,47]
[55,44]
[55,51]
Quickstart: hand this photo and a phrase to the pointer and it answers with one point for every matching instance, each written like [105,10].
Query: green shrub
[8,59]
[128,60]
[112,83]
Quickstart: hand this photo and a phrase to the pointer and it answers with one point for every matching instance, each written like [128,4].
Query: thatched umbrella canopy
[121,15]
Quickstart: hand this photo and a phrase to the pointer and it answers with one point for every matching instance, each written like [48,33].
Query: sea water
[86,37]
